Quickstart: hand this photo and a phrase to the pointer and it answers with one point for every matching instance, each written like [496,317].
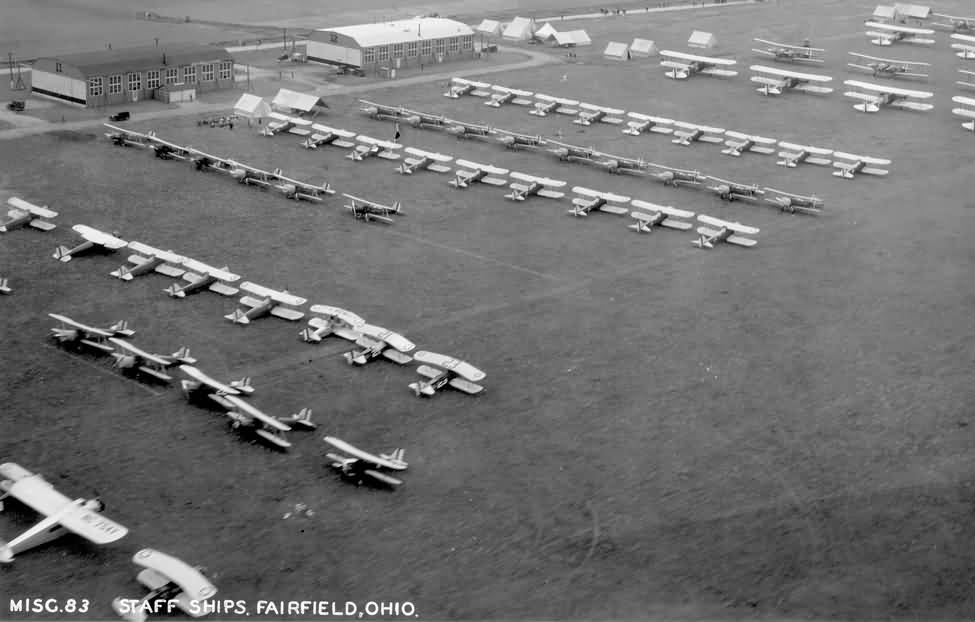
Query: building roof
[402,31]
[104,62]
[304,102]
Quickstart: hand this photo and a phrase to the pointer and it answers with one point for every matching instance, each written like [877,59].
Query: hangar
[368,47]
[105,77]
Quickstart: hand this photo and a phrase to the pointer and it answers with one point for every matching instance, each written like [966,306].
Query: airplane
[789,53]
[794,155]
[727,232]
[283,123]
[137,361]
[337,321]
[683,66]
[462,129]
[460,87]
[364,209]
[442,371]
[61,514]
[536,186]
[503,95]
[589,114]
[165,150]
[514,140]
[200,387]
[151,259]
[472,172]
[362,464]
[74,333]
[595,200]
[123,137]
[202,276]
[379,111]
[243,416]
[368,147]
[675,176]
[171,582]
[299,190]
[5,286]
[619,164]
[659,215]
[966,49]
[548,103]
[326,135]
[792,203]
[425,119]
[785,80]
[970,85]
[23,213]
[375,341]
[691,132]
[643,123]
[957,24]
[965,112]
[273,302]
[573,153]
[741,142]
[888,68]
[880,96]
[93,238]
[887,34]
[733,191]
[849,165]
[424,160]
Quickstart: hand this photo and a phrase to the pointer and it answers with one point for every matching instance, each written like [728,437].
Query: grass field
[781,432]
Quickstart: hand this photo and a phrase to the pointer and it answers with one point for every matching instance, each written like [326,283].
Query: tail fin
[396,206]
[238,317]
[183,355]
[4,287]
[243,385]
[175,292]
[62,253]
[119,327]
[309,336]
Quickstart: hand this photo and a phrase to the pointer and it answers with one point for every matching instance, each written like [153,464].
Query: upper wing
[37,210]
[90,525]
[33,490]
[189,579]
[878,88]
[365,456]
[199,376]
[268,420]
[99,237]
[457,366]
[275,295]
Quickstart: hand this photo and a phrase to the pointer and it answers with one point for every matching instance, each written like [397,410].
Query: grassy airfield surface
[777,432]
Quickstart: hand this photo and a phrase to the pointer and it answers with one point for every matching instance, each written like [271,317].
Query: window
[95,87]
[467,42]
[425,48]
[226,70]
[440,46]
[382,53]
[368,56]
[189,74]
[114,85]
[57,67]
[135,81]
[453,45]
[411,49]
[152,79]
[398,50]
[207,70]
[172,75]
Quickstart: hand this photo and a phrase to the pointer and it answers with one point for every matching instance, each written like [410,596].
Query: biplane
[589,200]
[849,165]
[658,215]
[733,191]
[688,133]
[462,129]
[789,53]
[247,418]
[727,231]
[739,143]
[794,155]
[460,87]
[325,135]
[965,83]
[336,321]
[425,120]
[967,113]
[166,150]
[5,286]
[278,123]
[424,161]
[442,371]
[201,276]
[138,362]
[375,341]
[367,147]
[792,203]
[547,103]
[380,111]
[573,153]
[123,137]
[270,302]
[62,515]
[966,49]
[589,114]
[472,172]
[299,190]
[503,95]
[879,96]
[172,583]
[683,66]
[93,239]
[73,333]
[533,186]
[514,140]
[888,34]
[955,23]
[23,213]
[148,260]
[676,176]
[643,123]
[201,388]
[364,465]
[888,68]
[776,81]
[366,210]
[619,164]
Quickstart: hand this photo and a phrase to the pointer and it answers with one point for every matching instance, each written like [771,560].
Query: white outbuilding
[643,48]
[701,39]
[520,29]
[616,51]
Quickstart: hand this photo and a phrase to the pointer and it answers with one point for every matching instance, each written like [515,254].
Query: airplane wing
[199,376]
[810,77]
[737,227]
[858,158]
[382,477]
[99,237]
[36,210]
[883,89]
[202,268]
[896,28]
[278,296]
[461,368]
[145,249]
[90,525]
[346,316]
[32,490]
[188,578]
[91,331]
[251,411]
[131,349]
[397,341]
[670,211]
[355,452]
[494,170]
[694,58]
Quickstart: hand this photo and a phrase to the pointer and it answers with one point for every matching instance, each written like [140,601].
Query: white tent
[616,51]
[295,101]
[520,29]
[252,106]
[884,13]
[572,38]
[644,48]
[913,11]
[545,33]
[701,39]
[489,27]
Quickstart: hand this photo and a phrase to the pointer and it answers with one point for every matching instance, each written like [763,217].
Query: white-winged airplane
[619,164]
[283,123]
[200,276]
[22,213]
[547,103]
[879,96]
[573,153]
[277,303]
[460,87]
[739,143]
[368,211]
[682,65]
[589,200]
[441,371]
[966,49]
[726,231]
[658,215]
[62,514]
[368,147]
[792,203]
[733,191]
[688,133]
[676,176]
[776,81]
[503,95]
[331,320]
[138,362]
[887,67]
[643,123]
[472,172]
[325,135]
[244,416]
[171,582]
[514,140]
[426,120]
[299,190]
[93,238]
[5,286]
[967,113]
[128,138]
[789,53]
[533,186]
[589,114]
[70,332]
[849,165]
[147,260]
[965,83]
[424,161]
[956,24]
[888,34]
[381,111]
[376,341]
[364,465]
[201,388]
[463,129]
[793,155]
